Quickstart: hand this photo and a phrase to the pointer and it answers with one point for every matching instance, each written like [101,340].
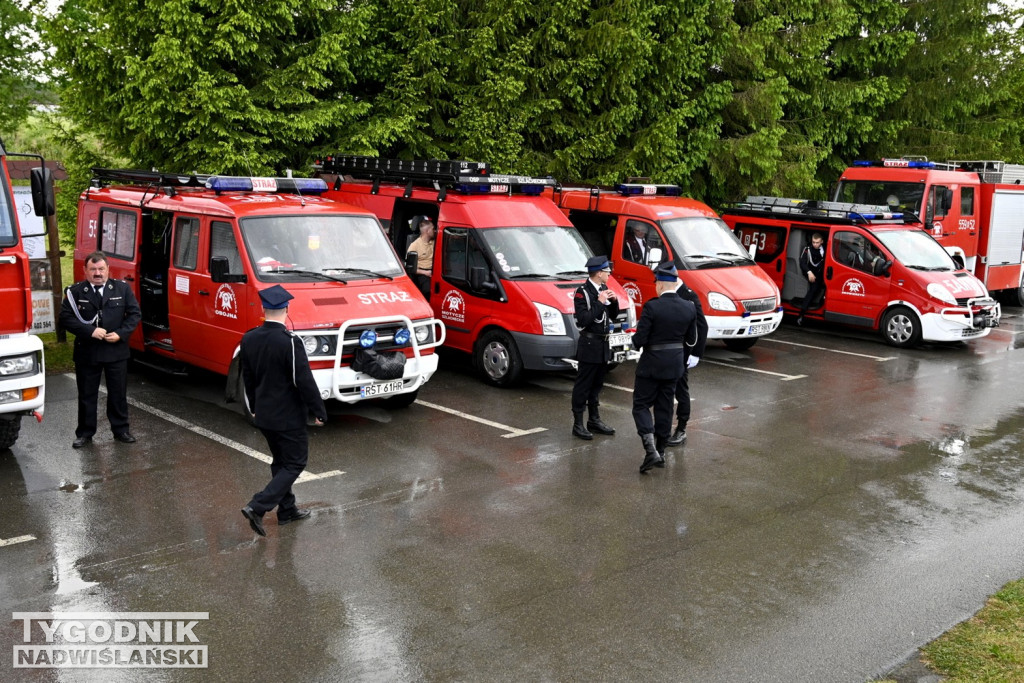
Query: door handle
[129,278]
[203,292]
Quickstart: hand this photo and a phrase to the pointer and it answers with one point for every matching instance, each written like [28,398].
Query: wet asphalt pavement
[838,504]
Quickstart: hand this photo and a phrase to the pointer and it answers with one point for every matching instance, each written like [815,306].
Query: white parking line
[512,431]
[781,375]
[223,440]
[16,539]
[880,359]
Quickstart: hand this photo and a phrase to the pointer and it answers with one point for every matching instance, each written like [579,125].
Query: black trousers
[290,448]
[648,392]
[683,399]
[589,382]
[87,377]
[423,283]
[814,289]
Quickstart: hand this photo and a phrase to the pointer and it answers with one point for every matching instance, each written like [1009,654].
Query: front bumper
[740,327]
[558,352]
[973,321]
[15,388]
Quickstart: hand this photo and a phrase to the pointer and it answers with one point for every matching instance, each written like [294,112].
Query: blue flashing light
[532,189]
[746,314]
[862,163]
[474,188]
[402,336]
[673,191]
[367,339]
[229,184]
[302,185]
[896,163]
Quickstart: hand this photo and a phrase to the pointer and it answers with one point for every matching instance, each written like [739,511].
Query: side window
[454,260]
[966,201]
[936,208]
[598,229]
[186,243]
[117,236]
[769,241]
[222,243]
[639,239]
[854,250]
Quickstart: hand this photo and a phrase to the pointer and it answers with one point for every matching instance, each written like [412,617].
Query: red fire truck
[975,209]
[882,270]
[506,261]
[197,250]
[22,369]
[639,225]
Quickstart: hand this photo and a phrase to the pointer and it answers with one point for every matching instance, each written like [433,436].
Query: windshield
[538,252]
[916,249]
[304,248]
[7,236]
[902,196]
[704,242]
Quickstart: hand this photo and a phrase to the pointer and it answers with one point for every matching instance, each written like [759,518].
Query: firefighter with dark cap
[280,394]
[665,325]
[596,307]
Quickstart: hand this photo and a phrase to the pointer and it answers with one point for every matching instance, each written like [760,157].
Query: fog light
[367,339]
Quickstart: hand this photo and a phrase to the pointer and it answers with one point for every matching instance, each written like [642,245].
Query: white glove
[692,361]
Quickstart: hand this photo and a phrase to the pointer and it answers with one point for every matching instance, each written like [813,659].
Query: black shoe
[125,438]
[255,520]
[651,461]
[800,321]
[678,437]
[599,427]
[299,515]
[81,441]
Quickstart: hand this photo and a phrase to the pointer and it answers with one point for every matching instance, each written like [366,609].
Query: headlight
[551,320]
[18,365]
[631,314]
[937,291]
[10,396]
[423,334]
[720,302]
[310,344]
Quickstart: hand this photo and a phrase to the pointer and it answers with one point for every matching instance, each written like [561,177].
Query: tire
[401,401]
[497,359]
[1019,298]
[10,426]
[901,328]
[739,344]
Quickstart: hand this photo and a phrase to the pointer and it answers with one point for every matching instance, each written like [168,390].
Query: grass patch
[987,647]
[58,356]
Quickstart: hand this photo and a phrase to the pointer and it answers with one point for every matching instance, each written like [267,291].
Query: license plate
[382,389]
[760,329]
[619,339]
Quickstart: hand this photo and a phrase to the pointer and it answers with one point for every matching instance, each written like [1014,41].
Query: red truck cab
[882,270]
[634,221]
[197,250]
[22,367]
[972,208]
[506,261]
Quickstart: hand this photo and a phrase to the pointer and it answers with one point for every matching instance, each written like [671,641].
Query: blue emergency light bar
[630,189]
[503,184]
[896,163]
[286,185]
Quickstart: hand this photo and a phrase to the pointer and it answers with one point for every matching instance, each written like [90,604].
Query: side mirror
[886,267]
[412,260]
[479,280]
[654,257]
[219,271]
[42,191]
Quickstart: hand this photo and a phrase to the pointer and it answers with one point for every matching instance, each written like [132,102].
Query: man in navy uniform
[595,308]
[280,393]
[102,314]
[666,322]
[694,350]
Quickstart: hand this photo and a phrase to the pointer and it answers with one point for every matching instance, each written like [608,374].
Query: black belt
[664,347]
[593,335]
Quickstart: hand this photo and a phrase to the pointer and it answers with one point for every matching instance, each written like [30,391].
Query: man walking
[280,393]
[102,314]
[666,322]
[694,351]
[595,307]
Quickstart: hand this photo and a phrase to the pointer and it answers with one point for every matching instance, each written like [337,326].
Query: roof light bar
[647,189]
[896,163]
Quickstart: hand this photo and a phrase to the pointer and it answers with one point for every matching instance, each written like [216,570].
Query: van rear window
[117,237]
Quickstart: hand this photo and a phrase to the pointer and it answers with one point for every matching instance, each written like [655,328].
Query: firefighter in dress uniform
[595,308]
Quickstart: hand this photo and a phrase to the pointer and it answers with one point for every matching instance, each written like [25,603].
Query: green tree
[20,55]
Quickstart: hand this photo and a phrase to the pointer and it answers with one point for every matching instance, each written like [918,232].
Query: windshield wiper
[927,268]
[362,271]
[522,275]
[311,273]
[572,272]
[734,257]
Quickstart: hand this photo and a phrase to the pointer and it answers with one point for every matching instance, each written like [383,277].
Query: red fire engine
[506,261]
[197,250]
[975,209]
[22,369]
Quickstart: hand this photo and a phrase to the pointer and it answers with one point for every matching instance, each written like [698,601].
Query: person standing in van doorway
[694,350]
[102,314]
[812,265]
[280,394]
[424,248]
[595,308]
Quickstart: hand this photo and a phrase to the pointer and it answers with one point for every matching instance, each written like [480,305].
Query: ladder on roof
[826,209]
[996,172]
[402,170]
[140,177]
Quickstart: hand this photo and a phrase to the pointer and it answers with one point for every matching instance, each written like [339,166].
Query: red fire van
[197,250]
[641,224]
[881,271]
[506,261]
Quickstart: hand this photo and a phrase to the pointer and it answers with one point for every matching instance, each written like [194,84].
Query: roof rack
[823,210]
[993,171]
[217,183]
[139,177]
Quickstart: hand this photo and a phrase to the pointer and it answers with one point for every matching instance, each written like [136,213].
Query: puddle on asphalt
[70,487]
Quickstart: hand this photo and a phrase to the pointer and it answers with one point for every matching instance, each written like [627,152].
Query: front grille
[385,337]
[759,305]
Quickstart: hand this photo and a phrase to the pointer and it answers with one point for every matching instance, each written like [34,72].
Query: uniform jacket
[812,260]
[279,386]
[81,314]
[667,319]
[592,318]
[636,251]
[695,344]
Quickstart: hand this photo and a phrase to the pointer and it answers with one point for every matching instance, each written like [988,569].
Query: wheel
[901,328]
[10,425]
[402,400]
[739,344]
[1020,293]
[497,359]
